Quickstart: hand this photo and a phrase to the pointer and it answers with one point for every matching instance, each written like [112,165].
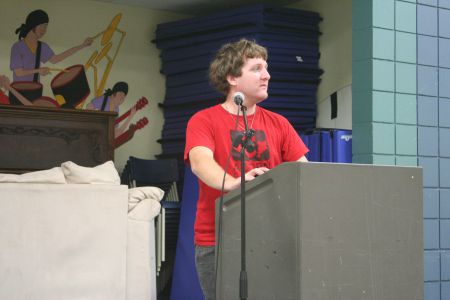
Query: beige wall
[137,63]
[335,47]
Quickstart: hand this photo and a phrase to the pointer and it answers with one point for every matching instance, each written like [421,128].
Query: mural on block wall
[31,58]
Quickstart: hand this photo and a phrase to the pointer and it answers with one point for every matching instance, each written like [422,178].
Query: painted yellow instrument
[101,55]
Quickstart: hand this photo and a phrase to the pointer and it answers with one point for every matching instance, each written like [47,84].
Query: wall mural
[29,61]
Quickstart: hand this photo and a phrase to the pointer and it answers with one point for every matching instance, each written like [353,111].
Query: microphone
[238,98]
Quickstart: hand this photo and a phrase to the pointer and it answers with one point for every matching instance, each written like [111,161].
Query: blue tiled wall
[433,119]
[401,109]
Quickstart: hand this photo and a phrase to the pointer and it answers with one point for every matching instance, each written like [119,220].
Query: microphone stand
[243,289]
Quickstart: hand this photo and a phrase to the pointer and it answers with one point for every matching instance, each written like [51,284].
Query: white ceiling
[195,6]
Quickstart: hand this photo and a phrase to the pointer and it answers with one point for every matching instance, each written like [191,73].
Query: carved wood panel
[33,138]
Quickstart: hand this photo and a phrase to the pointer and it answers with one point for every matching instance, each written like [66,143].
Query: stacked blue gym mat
[188,46]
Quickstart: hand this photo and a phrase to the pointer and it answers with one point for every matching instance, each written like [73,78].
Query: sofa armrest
[63,241]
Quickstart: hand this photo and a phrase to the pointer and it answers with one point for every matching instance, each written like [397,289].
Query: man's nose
[266,74]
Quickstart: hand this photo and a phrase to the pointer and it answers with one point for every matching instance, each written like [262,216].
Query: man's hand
[249,176]
[208,170]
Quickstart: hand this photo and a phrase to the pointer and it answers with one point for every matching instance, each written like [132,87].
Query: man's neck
[232,107]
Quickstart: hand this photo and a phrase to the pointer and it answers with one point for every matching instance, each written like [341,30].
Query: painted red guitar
[128,135]
[141,103]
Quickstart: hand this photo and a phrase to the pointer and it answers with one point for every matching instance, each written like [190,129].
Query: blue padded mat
[307,46]
[284,75]
[174,132]
[276,105]
[290,101]
[200,90]
[188,46]
[176,125]
[295,113]
[303,93]
[191,90]
[294,15]
[202,63]
[256,14]
[181,112]
[178,119]
[172,141]
[209,48]
[211,95]
[300,121]
[305,96]
[193,104]
[288,94]
[205,23]
[231,34]
[287,85]
[198,76]
[172,147]
[187,78]
[292,63]
[170,125]
[179,136]
[213,41]
[302,58]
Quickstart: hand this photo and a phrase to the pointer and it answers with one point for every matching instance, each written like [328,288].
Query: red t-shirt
[3,98]
[275,141]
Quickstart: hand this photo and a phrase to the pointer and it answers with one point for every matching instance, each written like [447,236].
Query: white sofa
[75,241]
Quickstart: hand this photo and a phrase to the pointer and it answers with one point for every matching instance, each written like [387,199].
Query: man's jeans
[205,264]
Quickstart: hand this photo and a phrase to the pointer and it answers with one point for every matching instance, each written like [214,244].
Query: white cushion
[54,175]
[101,174]
[145,210]
[143,202]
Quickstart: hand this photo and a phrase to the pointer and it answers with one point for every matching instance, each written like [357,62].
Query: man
[211,135]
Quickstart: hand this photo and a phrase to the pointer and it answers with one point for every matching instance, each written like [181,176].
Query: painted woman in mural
[29,52]
[110,101]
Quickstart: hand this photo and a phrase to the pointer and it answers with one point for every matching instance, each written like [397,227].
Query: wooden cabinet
[36,138]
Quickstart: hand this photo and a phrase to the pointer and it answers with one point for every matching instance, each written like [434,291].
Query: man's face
[254,80]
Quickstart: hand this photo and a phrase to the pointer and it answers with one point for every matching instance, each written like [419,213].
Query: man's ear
[231,80]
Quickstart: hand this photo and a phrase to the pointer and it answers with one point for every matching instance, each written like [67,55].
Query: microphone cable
[219,221]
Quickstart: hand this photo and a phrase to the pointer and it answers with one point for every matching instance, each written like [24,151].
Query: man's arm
[208,170]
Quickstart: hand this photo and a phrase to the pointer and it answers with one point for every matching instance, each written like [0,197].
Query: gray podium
[326,231]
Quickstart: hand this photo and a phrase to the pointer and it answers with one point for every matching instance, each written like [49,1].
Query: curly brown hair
[230,59]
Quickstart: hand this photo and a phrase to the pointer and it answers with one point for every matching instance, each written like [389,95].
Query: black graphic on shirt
[257,148]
